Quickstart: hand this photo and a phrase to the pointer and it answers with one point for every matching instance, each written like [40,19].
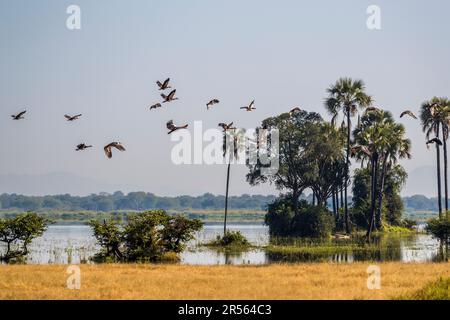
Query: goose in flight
[294,111]
[19,115]
[211,103]
[226,127]
[409,113]
[172,127]
[164,85]
[169,97]
[155,106]
[250,107]
[72,118]
[108,148]
[82,146]
[434,140]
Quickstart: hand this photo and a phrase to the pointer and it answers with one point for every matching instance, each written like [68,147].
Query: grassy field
[300,281]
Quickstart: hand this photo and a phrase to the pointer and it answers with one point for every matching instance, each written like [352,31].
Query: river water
[73,244]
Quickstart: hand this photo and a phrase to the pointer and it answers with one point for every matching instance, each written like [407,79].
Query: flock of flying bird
[171,126]
[162,86]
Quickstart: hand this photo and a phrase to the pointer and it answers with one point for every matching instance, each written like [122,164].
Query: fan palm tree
[443,112]
[397,147]
[232,145]
[379,138]
[434,116]
[345,96]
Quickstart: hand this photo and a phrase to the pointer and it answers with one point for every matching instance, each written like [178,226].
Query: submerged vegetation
[147,237]
[230,240]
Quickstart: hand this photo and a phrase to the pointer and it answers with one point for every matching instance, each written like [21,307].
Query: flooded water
[73,244]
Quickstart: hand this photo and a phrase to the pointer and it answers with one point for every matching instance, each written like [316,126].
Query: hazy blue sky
[281,53]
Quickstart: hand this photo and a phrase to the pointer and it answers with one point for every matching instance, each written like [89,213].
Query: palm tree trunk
[438,159]
[374,174]
[334,202]
[444,139]
[226,200]
[347,168]
[381,192]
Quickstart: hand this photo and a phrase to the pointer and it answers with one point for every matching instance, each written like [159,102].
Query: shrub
[19,232]
[439,228]
[231,238]
[311,221]
[148,236]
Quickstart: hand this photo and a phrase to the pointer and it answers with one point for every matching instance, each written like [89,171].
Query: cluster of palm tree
[435,119]
[377,142]
[380,142]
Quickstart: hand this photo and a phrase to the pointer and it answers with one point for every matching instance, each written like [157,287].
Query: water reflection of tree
[443,254]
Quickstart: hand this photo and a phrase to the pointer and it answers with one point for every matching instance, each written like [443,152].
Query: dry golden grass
[299,281]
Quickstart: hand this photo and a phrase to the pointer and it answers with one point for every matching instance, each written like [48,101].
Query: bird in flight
[226,127]
[82,146]
[72,118]
[172,127]
[165,85]
[211,103]
[294,111]
[108,148]
[19,115]
[250,107]
[434,140]
[169,97]
[409,113]
[155,106]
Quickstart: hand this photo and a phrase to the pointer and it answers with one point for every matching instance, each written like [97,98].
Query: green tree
[434,115]
[232,144]
[21,231]
[383,141]
[345,96]
[295,161]
[148,236]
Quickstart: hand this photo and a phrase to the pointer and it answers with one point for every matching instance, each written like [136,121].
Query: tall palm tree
[397,147]
[443,110]
[379,138]
[345,96]
[232,144]
[434,115]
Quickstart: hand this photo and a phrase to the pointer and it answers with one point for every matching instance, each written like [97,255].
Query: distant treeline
[132,201]
[145,201]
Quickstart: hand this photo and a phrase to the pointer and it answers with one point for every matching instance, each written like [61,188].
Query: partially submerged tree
[435,116]
[295,161]
[148,236]
[346,96]
[382,141]
[19,232]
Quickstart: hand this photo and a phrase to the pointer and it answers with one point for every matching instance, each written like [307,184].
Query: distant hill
[421,181]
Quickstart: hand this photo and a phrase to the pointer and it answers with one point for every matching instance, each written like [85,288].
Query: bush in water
[148,236]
